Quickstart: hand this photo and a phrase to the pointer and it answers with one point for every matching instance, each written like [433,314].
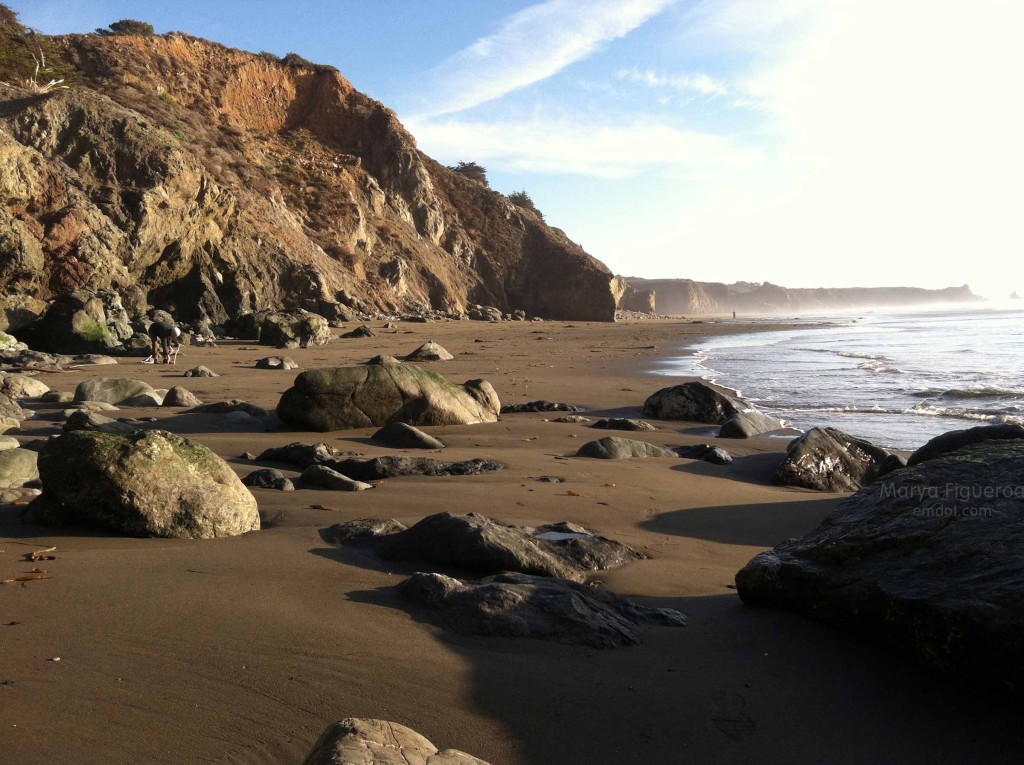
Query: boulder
[956,439]
[716,455]
[178,396]
[300,454]
[520,605]
[929,561]
[615,448]
[749,424]
[9,442]
[622,423]
[21,386]
[200,371]
[111,390]
[476,543]
[294,329]
[11,409]
[7,424]
[268,478]
[378,360]
[355,741]
[429,351]
[146,483]
[57,397]
[324,477]
[539,406]
[365,396]
[692,402]
[483,313]
[75,323]
[142,400]
[93,359]
[379,468]
[828,459]
[361,331]
[399,435]
[574,419]
[890,464]
[82,419]
[17,467]
[276,362]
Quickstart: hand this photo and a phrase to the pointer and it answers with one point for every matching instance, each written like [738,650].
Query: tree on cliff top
[26,55]
[471,170]
[128,27]
[522,199]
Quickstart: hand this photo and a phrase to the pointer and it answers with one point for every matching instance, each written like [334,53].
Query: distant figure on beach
[163,335]
[734,314]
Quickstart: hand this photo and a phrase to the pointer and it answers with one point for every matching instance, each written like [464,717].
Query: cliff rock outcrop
[189,176]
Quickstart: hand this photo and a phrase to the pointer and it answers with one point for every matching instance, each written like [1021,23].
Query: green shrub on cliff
[471,170]
[128,27]
[522,199]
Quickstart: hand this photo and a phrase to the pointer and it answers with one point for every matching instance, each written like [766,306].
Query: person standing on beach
[162,334]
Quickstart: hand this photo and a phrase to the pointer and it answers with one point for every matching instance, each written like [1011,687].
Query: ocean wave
[996,417]
[974,391]
[880,366]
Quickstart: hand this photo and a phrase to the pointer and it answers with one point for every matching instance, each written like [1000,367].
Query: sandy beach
[242,650]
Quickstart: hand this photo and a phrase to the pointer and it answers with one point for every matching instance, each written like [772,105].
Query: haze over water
[894,378]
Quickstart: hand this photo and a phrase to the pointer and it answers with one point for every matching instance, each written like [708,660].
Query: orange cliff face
[179,171]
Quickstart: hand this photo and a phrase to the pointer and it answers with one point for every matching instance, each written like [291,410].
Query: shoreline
[242,650]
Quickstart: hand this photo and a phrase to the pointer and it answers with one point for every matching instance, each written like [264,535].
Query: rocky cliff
[685,297]
[188,176]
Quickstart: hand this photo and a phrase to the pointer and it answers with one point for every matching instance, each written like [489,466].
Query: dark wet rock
[276,362]
[716,455]
[549,479]
[615,448]
[361,531]
[200,371]
[268,478]
[692,402]
[302,455]
[890,464]
[539,406]
[17,468]
[955,439]
[363,741]
[146,483]
[622,423]
[233,405]
[574,419]
[399,435]
[828,459]
[410,319]
[82,419]
[429,351]
[324,477]
[929,561]
[380,360]
[520,605]
[360,331]
[749,424]
[368,395]
[379,468]
[178,396]
[111,390]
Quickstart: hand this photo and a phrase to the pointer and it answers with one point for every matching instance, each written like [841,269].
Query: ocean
[894,378]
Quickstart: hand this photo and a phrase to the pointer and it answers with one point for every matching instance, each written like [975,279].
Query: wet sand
[242,650]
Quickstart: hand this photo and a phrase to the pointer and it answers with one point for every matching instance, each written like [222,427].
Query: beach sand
[242,650]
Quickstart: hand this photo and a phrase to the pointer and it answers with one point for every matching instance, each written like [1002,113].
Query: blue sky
[803,142]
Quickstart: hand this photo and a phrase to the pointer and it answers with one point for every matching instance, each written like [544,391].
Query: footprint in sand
[730,716]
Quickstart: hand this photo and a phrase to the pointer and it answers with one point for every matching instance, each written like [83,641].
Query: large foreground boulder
[111,390]
[929,560]
[692,402]
[146,483]
[365,396]
[828,459]
[956,439]
[362,741]
[520,605]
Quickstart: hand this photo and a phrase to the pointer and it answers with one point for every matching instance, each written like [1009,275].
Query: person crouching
[163,336]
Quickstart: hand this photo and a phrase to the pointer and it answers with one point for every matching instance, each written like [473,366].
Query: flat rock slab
[233,405]
[749,424]
[276,362]
[476,543]
[545,608]
[827,459]
[615,448]
[379,468]
[81,419]
[200,372]
[146,483]
[692,402]
[574,419]
[324,477]
[539,406]
[111,390]
[929,560]
[376,395]
[302,455]
[622,423]
[400,435]
[362,741]
[429,351]
[716,455]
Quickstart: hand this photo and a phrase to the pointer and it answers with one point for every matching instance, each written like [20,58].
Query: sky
[809,143]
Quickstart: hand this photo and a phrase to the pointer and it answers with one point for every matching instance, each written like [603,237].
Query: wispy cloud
[531,46]
[580,146]
[691,83]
